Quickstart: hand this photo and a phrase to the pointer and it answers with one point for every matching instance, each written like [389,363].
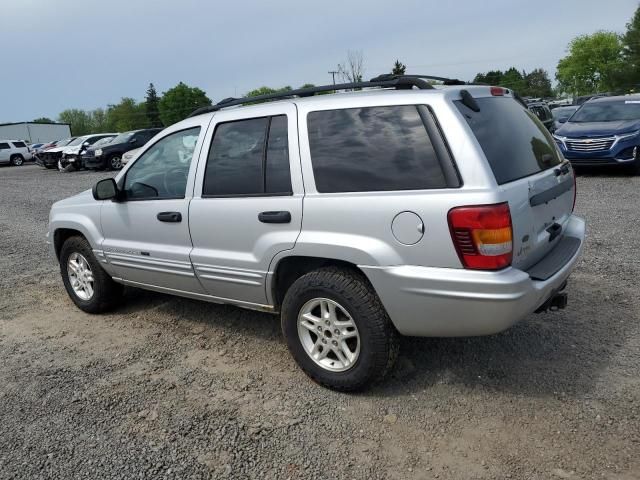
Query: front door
[247,204]
[5,149]
[146,234]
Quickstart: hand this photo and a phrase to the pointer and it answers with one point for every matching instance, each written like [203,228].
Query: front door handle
[170,217]
[275,217]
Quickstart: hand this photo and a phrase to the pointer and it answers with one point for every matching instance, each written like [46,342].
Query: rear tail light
[482,235]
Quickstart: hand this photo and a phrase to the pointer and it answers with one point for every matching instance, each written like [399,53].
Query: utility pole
[333,75]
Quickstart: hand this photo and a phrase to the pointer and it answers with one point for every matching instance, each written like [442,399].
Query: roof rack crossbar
[400,82]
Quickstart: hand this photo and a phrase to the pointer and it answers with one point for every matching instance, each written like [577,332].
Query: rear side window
[372,149]
[19,144]
[249,157]
[514,141]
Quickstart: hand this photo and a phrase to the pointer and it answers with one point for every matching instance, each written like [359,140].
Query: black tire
[110,162]
[106,292]
[16,160]
[634,168]
[378,337]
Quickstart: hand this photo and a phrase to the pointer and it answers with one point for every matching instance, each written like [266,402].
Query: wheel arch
[289,268]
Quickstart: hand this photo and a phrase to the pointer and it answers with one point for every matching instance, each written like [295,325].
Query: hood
[56,149]
[81,198]
[72,150]
[597,129]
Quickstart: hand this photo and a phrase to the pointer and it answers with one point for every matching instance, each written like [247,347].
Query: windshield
[103,141]
[563,113]
[65,142]
[608,111]
[123,137]
[77,141]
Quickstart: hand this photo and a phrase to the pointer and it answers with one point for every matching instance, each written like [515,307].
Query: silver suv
[399,209]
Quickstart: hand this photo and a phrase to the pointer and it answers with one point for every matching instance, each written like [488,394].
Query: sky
[90,53]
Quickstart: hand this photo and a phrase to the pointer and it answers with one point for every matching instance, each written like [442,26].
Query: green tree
[151,107]
[43,120]
[126,115]
[592,65]
[630,75]
[179,102]
[267,91]
[514,80]
[398,68]
[492,77]
[79,121]
[100,121]
[538,84]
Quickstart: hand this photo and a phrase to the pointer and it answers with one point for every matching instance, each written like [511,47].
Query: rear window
[372,149]
[19,144]
[514,141]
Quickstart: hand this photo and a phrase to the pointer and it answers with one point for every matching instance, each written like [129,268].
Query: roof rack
[393,81]
[446,81]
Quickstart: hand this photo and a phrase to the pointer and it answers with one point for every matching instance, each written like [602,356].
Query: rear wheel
[86,282]
[114,162]
[17,160]
[337,329]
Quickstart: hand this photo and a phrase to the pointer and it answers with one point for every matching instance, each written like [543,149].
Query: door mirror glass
[105,189]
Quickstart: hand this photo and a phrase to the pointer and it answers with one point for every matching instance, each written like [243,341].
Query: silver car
[357,217]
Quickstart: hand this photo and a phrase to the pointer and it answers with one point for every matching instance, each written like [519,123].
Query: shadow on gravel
[603,171]
[551,354]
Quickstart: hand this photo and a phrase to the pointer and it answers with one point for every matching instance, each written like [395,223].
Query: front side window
[372,149]
[249,157]
[161,172]
[4,146]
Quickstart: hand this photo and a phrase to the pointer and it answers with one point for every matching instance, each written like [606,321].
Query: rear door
[247,205]
[529,170]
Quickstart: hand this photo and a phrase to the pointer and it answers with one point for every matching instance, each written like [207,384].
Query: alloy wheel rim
[80,276]
[116,162]
[328,334]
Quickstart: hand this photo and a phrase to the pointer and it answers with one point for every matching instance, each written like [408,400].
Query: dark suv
[542,111]
[110,156]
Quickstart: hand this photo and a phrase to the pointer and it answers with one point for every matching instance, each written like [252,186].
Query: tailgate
[530,171]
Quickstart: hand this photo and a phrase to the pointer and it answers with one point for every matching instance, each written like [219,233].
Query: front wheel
[86,282]
[337,329]
[114,162]
[17,160]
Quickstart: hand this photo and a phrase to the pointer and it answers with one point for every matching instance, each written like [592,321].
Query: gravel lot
[174,388]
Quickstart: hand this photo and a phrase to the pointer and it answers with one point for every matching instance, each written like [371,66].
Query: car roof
[617,98]
[383,94]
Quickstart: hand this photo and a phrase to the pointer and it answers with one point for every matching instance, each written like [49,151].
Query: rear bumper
[451,302]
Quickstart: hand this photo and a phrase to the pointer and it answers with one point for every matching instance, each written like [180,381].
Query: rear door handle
[170,217]
[275,217]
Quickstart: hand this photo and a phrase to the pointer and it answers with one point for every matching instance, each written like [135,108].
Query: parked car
[543,112]
[49,157]
[603,131]
[355,216]
[110,156]
[562,114]
[130,155]
[72,156]
[14,152]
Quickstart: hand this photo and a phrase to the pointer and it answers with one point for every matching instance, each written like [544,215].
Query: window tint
[372,149]
[514,141]
[4,146]
[238,155]
[278,175]
[161,172]
[19,144]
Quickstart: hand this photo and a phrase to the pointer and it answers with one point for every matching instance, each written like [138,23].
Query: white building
[35,132]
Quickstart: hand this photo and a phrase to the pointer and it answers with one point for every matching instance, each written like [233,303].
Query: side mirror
[86,144]
[105,189]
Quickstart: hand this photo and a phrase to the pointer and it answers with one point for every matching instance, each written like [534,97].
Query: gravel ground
[173,388]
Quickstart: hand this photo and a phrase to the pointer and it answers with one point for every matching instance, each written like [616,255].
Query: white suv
[14,152]
[356,217]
